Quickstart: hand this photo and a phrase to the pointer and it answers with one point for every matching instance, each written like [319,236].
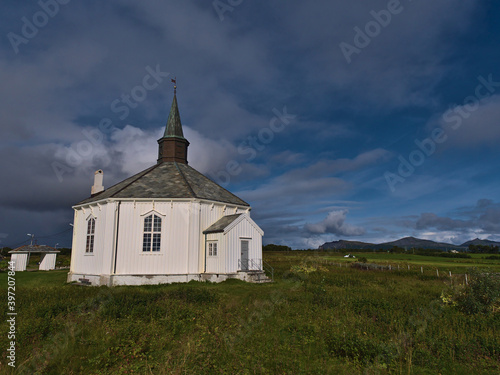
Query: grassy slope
[335,320]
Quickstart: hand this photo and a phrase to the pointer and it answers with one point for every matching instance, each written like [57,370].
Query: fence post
[421,270]
[466,282]
[437,272]
[408,267]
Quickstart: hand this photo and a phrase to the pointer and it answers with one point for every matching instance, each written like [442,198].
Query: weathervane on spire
[174,81]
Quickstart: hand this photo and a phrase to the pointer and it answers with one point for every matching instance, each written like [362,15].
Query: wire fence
[455,278]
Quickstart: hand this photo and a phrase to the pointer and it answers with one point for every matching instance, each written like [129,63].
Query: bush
[273,247]
[369,266]
[64,251]
[4,251]
[306,267]
[482,295]
[493,257]
[363,260]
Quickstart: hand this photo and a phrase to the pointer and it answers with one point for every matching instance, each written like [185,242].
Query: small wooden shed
[21,256]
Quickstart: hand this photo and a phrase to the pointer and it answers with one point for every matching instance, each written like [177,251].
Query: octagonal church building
[168,223]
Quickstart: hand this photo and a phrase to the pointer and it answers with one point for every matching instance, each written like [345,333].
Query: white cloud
[208,155]
[137,148]
[334,223]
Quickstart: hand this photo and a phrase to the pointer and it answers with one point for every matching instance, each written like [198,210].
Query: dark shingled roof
[221,224]
[168,180]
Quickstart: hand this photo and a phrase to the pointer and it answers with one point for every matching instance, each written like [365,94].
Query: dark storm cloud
[489,216]
[430,220]
[231,76]
[32,183]
[474,123]
[407,58]
[49,227]
[297,193]
[319,180]
[485,216]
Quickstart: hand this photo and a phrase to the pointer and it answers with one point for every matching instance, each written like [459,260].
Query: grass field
[318,319]
[428,262]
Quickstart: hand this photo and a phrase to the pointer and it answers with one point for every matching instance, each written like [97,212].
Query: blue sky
[361,120]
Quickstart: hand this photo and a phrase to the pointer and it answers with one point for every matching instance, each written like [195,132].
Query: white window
[212,249]
[89,247]
[151,239]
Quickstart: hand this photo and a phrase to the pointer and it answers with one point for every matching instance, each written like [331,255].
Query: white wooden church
[168,223]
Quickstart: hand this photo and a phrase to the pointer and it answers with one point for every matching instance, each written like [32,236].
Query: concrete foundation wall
[117,280]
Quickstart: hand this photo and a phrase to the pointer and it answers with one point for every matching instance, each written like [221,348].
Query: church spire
[174,126]
[173,146]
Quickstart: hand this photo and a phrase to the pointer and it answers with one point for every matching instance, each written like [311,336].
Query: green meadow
[320,316]
[459,265]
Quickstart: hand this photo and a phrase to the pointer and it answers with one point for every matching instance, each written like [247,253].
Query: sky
[360,120]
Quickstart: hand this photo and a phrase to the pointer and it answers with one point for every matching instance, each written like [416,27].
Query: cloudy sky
[361,120]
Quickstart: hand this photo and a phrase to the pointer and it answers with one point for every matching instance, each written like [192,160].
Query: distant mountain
[342,244]
[406,242]
[412,242]
[477,241]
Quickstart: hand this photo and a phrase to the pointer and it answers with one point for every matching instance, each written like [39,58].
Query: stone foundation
[117,280]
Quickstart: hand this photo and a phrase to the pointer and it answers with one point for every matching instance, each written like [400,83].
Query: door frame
[244,264]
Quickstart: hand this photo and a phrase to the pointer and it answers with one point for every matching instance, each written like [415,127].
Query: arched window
[151,239]
[89,247]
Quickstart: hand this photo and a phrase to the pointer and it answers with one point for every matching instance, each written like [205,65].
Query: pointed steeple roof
[174,126]
[173,146]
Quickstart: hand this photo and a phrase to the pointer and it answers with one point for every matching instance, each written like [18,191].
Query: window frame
[212,248]
[90,236]
[153,229]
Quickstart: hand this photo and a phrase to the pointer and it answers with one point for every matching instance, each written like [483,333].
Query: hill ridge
[405,242]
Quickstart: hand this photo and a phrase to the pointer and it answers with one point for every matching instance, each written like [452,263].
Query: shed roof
[34,249]
[168,180]
[221,224]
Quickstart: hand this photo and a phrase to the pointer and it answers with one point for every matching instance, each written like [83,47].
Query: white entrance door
[244,255]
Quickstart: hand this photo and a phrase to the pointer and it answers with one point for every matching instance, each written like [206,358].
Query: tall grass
[315,319]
